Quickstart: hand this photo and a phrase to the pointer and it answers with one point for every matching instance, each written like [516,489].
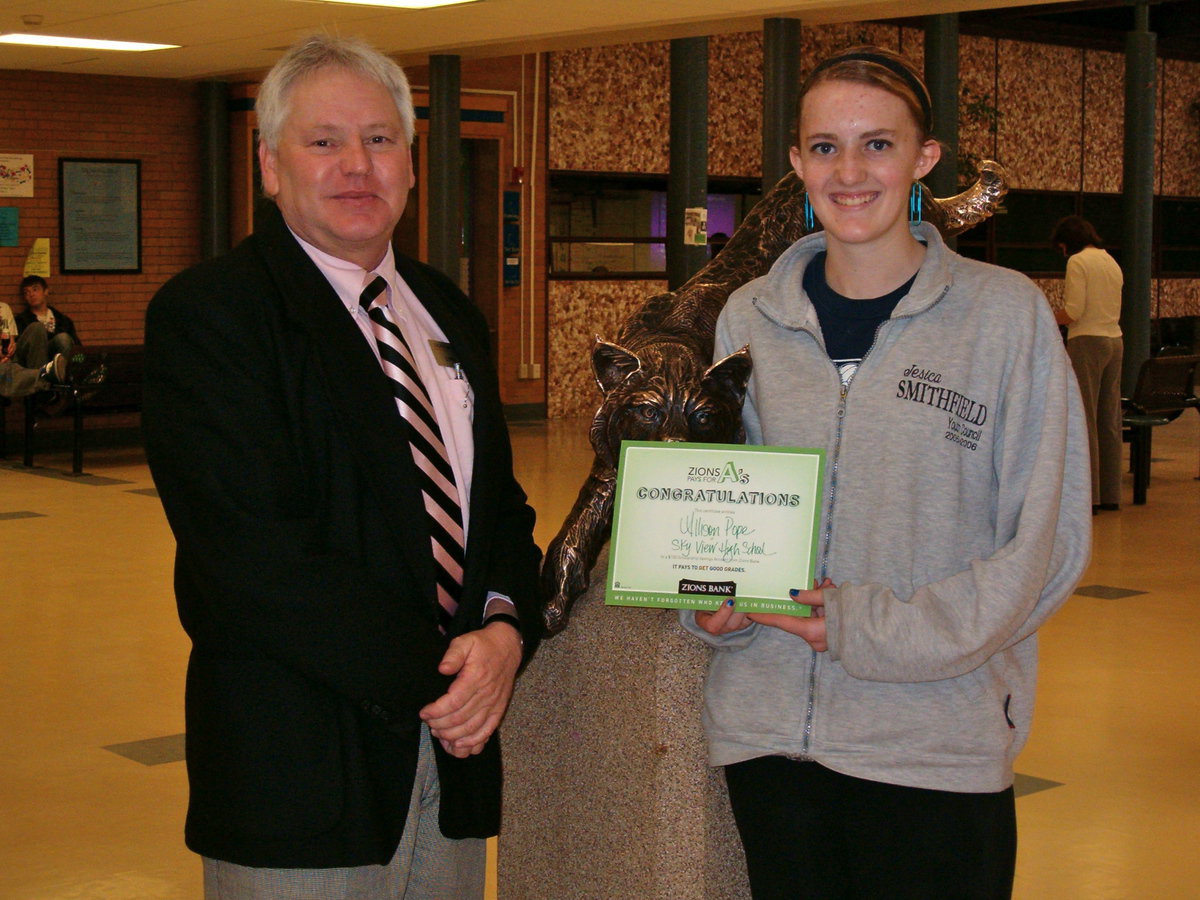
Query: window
[615,226]
[1178,234]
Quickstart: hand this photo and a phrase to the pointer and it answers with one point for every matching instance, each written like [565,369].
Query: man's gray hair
[321,51]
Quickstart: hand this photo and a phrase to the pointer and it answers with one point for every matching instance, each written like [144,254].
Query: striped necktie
[438,488]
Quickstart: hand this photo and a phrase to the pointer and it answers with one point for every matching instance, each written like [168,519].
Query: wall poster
[16,174]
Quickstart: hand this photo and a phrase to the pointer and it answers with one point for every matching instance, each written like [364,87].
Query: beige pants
[1097,364]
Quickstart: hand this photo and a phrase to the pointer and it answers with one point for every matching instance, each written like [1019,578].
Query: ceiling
[227,38]
[1100,24]
[232,39]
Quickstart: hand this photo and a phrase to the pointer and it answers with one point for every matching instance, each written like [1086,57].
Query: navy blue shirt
[847,325]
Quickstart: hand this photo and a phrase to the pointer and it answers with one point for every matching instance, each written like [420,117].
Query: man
[17,380]
[44,330]
[316,566]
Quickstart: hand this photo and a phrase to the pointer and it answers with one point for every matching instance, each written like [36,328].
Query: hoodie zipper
[827,539]
[844,390]
[841,418]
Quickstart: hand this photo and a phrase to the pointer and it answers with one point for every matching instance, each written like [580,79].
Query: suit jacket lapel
[359,393]
[451,324]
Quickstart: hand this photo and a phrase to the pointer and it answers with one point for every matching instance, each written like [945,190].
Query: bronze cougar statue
[657,380]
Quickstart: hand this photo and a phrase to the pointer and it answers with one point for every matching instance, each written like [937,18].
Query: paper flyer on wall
[694,524]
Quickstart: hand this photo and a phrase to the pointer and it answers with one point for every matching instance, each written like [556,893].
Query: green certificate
[694,524]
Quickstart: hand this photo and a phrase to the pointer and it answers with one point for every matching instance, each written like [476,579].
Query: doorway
[479,274]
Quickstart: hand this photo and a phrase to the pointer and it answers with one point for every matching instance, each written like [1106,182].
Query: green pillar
[941,77]
[687,180]
[445,152]
[1138,190]
[214,169]
[781,84]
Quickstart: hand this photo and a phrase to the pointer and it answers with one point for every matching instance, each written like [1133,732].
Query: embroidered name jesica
[922,386]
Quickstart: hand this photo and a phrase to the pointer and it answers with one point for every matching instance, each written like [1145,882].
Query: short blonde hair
[321,51]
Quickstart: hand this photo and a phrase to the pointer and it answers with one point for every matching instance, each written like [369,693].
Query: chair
[1165,388]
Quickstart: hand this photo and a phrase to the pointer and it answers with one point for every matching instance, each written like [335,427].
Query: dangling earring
[810,221]
[914,204]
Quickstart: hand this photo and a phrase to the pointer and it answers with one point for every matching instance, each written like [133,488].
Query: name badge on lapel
[444,356]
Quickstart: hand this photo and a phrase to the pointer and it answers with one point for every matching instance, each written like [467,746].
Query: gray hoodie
[956,519]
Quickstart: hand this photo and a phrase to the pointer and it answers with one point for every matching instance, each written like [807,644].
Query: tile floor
[92,660]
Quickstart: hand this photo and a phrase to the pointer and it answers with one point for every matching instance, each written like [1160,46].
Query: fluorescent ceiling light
[401,4]
[50,40]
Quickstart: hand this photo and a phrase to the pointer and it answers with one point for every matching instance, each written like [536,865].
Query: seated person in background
[42,329]
[8,333]
[18,381]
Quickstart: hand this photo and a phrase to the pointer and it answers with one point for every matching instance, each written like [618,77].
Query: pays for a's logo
[729,472]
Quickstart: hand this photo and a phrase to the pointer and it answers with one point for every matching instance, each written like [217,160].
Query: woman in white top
[1092,314]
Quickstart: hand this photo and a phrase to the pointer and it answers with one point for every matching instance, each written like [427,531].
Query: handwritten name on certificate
[694,524]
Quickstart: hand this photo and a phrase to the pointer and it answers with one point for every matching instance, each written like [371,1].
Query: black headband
[922,93]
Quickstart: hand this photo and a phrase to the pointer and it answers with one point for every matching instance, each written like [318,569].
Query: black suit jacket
[303,571]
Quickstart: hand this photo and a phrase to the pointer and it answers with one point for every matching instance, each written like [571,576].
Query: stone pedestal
[607,792]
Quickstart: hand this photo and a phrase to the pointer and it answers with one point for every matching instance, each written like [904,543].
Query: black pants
[810,832]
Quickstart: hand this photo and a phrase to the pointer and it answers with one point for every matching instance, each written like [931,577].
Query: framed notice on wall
[100,215]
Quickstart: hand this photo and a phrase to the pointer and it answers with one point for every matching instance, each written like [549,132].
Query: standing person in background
[44,330]
[1092,314]
[355,563]
[869,748]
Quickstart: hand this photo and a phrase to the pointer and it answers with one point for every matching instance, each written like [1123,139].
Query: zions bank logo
[726,474]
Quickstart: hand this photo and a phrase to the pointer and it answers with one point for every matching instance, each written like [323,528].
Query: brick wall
[52,115]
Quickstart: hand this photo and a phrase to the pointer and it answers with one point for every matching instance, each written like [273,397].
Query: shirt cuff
[498,603]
